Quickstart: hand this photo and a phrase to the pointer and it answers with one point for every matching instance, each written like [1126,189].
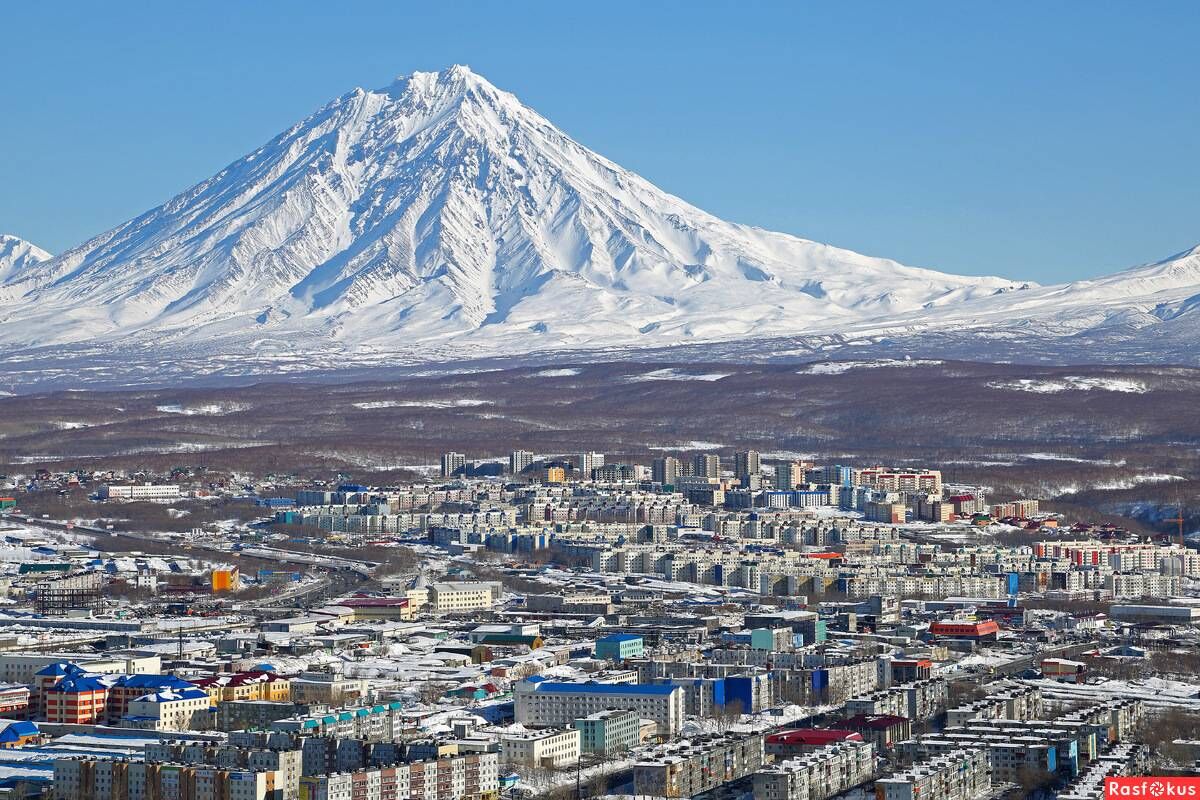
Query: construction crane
[1178,520]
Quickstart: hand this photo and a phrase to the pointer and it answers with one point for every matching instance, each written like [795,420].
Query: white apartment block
[543,748]
[457,596]
[547,704]
[170,710]
[140,491]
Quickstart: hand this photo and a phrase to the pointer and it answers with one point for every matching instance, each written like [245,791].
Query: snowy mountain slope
[18,255]
[437,214]
[1164,295]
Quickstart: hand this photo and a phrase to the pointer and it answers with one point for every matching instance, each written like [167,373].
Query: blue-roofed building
[128,688]
[18,733]
[550,704]
[80,698]
[59,669]
[619,646]
[170,710]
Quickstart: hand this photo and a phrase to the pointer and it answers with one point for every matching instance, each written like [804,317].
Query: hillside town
[761,626]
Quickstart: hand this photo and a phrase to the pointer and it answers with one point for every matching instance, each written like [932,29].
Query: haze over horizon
[1036,144]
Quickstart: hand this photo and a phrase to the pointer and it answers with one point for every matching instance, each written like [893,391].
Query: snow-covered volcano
[435,214]
[439,219]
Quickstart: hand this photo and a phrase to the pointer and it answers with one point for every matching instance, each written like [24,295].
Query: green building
[619,646]
[608,732]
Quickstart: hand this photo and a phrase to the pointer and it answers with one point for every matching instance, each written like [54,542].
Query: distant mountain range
[439,219]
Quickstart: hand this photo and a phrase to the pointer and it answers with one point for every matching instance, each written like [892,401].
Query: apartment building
[919,700]
[608,732]
[823,773]
[706,465]
[462,596]
[745,464]
[475,776]
[519,461]
[140,491]
[80,698]
[890,480]
[252,685]
[1119,718]
[44,669]
[789,475]
[383,722]
[541,748]
[170,710]
[550,704]
[665,471]
[245,751]
[692,766]
[1008,756]
[95,779]
[588,461]
[453,464]
[957,775]
[1015,703]
[328,686]
[619,646]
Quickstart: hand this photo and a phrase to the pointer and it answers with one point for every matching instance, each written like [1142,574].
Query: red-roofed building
[965,629]
[803,740]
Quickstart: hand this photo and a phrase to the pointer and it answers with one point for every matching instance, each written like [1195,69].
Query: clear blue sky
[1043,141]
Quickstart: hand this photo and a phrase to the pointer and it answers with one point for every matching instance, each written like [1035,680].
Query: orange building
[226,579]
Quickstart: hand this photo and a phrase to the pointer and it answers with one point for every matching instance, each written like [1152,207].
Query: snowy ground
[1072,383]
[677,375]
[1157,693]
[462,402]
[840,367]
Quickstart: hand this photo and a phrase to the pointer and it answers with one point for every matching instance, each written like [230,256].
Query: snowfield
[464,402]
[557,373]
[840,367]
[1073,384]
[676,375]
[208,409]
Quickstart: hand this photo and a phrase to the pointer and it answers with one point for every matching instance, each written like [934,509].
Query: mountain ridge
[438,218]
